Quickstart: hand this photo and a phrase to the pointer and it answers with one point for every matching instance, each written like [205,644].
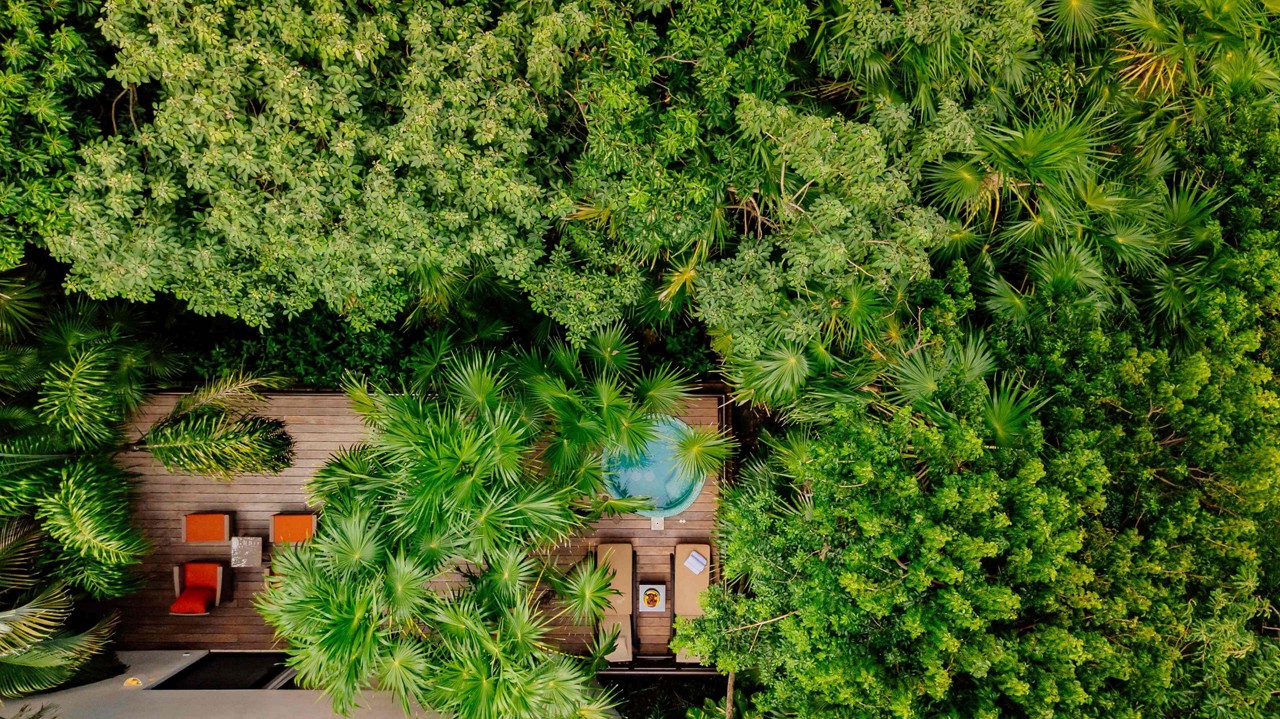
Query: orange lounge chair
[689,585]
[197,588]
[292,528]
[621,557]
[206,527]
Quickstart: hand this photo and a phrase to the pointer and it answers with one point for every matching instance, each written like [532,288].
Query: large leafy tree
[51,79]
[293,156]
[431,577]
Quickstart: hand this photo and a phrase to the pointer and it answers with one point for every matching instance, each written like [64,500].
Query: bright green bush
[51,80]
[307,157]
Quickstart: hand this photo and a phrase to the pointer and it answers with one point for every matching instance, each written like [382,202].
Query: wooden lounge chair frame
[621,611]
[687,587]
[217,590]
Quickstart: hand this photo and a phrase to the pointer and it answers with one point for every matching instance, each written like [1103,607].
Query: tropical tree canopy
[993,282]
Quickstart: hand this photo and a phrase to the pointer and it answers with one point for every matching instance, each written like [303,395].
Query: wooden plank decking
[322,423]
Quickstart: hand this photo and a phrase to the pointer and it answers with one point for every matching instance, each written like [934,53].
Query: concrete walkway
[129,696]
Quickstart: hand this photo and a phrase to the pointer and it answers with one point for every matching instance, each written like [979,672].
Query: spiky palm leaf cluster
[427,578]
[72,379]
[215,431]
[1074,195]
[937,383]
[36,651]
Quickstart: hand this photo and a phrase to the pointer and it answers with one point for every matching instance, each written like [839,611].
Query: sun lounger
[689,584]
[620,614]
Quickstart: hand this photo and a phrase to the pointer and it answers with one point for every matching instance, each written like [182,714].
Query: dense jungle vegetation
[994,285]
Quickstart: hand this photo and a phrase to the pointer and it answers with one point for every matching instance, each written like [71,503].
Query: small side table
[246,552]
[656,593]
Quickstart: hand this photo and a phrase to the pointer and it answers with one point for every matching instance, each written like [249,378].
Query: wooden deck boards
[322,423]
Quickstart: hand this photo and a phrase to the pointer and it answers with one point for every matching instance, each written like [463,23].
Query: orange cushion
[193,600]
[288,528]
[200,574]
[207,528]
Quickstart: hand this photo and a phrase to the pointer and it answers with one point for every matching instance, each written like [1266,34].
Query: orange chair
[292,528]
[197,588]
[206,527]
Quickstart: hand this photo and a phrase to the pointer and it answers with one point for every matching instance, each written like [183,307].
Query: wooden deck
[322,423]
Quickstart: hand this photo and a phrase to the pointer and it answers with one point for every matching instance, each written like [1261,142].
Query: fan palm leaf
[1009,408]
[776,377]
[21,305]
[701,451]
[663,390]
[1005,301]
[475,384]
[586,591]
[1067,269]
[404,672]
[612,351]
[973,359]
[1075,22]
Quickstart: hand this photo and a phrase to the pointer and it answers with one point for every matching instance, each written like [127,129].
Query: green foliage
[51,74]
[80,375]
[36,652]
[316,349]
[327,155]
[481,472]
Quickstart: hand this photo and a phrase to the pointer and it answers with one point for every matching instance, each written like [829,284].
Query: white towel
[696,563]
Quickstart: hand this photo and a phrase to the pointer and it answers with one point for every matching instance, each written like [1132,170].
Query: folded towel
[696,562]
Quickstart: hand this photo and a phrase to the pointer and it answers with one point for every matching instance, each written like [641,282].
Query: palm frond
[1069,270]
[51,662]
[1005,301]
[404,672]
[35,620]
[19,544]
[347,545]
[586,591]
[612,351]
[237,392]
[661,391]
[915,378]
[75,398]
[475,383]
[772,379]
[973,359]
[219,446]
[89,514]
[1075,22]
[1009,408]
[701,451]
[21,304]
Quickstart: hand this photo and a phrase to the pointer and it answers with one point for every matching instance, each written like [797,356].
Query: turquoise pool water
[653,474]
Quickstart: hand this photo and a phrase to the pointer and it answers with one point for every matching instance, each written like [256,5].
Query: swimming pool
[654,473]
